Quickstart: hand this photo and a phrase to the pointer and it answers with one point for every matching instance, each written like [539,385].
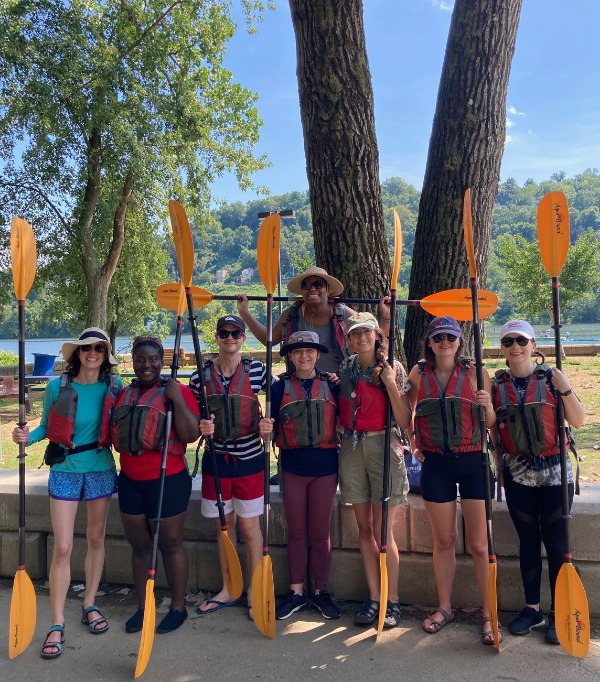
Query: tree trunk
[465,150]
[336,102]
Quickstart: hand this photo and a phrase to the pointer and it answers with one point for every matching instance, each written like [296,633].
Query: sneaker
[291,603]
[392,615]
[368,614]
[135,623]
[173,620]
[527,619]
[325,604]
[551,637]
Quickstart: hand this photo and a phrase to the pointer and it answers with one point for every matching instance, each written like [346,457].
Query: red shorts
[243,495]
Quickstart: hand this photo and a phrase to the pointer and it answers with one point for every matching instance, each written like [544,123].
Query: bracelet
[566,393]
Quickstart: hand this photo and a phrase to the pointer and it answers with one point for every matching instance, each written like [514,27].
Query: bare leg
[392,557]
[97,511]
[139,535]
[175,558]
[253,541]
[369,549]
[474,514]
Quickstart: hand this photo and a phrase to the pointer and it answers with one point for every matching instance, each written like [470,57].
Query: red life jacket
[526,426]
[337,324]
[447,420]
[306,421]
[363,407]
[62,415]
[237,410]
[139,420]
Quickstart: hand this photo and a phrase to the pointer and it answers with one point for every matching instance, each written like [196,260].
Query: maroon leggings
[308,503]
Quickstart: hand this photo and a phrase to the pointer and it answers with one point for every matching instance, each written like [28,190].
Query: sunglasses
[508,342]
[99,348]
[438,338]
[315,284]
[226,333]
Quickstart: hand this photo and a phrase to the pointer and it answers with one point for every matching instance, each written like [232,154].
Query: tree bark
[342,161]
[465,150]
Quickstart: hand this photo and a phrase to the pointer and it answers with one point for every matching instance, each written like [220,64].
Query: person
[75,419]
[523,395]
[367,385]
[314,313]
[304,405]
[138,434]
[232,384]
[446,438]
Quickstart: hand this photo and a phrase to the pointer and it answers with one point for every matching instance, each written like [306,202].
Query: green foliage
[8,358]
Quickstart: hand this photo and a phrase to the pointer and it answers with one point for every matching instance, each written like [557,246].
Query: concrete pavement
[225,646]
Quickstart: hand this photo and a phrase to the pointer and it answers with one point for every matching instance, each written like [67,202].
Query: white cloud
[509,138]
[509,123]
[515,112]
[443,5]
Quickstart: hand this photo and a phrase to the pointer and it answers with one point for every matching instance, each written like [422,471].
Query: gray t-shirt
[328,362]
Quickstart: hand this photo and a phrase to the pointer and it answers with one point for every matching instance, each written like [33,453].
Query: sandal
[392,615]
[97,626]
[487,636]
[56,646]
[368,614]
[436,625]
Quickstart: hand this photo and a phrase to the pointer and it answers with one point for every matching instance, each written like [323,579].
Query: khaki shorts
[361,471]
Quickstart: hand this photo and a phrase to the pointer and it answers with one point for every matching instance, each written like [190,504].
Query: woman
[75,419]
[447,440]
[368,384]
[527,394]
[138,434]
[304,405]
[315,312]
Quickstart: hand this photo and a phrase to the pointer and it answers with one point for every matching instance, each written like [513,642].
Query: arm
[259,330]
[50,396]
[399,402]
[574,410]
[414,379]
[185,411]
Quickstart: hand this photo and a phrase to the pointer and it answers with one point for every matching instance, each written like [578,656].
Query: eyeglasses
[508,341]
[315,284]
[438,338]
[99,348]
[226,333]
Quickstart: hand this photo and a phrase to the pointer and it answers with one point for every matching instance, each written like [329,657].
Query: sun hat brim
[88,336]
[334,286]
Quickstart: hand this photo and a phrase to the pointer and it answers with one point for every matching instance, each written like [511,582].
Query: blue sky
[553,117]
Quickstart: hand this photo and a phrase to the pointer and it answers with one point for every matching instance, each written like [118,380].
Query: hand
[172,389]
[485,400]
[384,308]
[388,375]
[243,305]
[265,426]
[20,435]
[418,455]
[560,381]
[333,377]
[207,426]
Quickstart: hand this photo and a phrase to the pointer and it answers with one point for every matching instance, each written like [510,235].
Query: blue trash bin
[43,364]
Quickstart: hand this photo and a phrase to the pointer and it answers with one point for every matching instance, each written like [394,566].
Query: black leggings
[537,516]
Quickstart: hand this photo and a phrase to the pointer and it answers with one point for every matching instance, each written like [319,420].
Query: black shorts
[141,497]
[440,474]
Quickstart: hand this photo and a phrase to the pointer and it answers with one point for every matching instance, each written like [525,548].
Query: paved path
[225,646]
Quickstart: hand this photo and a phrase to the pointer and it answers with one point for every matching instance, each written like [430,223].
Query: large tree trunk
[336,102]
[465,150]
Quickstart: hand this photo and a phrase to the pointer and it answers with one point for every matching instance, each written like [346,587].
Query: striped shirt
[247,446]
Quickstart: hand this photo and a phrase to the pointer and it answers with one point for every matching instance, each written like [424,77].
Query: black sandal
[368,614]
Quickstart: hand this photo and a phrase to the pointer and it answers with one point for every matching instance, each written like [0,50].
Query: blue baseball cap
[443,325]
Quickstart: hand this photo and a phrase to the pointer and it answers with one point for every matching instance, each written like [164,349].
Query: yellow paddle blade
[553,231]
[457,303]
[22,614]
[493,603]
[397,251]
[267,251]
[23,256]
[468,232]
[233,570]
[182,239]
[571,612]
[147,640]
[383,591]
[263,598]
[168,295]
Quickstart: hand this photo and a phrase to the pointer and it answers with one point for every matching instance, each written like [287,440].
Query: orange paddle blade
[148,627]
[182,239]
[458,303]
[263,597]
[383,591]
[267,251]
[553,231]
[397,251]
[23,256]
[468,232]
[23,614]
[571,611]
[493,603]
[167,296]
[233,571]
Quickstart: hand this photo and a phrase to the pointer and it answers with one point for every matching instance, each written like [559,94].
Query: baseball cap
[443,325]
[364,320]
[231,319]
[517,327]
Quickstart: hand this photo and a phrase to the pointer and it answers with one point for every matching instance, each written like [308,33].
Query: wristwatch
[566,393]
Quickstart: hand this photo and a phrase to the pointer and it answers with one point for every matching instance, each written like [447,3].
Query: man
[232,384]
[315,313]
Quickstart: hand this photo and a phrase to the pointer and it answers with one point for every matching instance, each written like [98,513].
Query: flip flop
[219,605]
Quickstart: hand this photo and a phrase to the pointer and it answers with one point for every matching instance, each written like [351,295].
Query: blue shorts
[440,474]
[72,487]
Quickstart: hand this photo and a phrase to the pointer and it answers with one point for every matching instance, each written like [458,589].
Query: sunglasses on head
[438,338]
[315,284]
[99,348]
[226,333]
[508,342]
